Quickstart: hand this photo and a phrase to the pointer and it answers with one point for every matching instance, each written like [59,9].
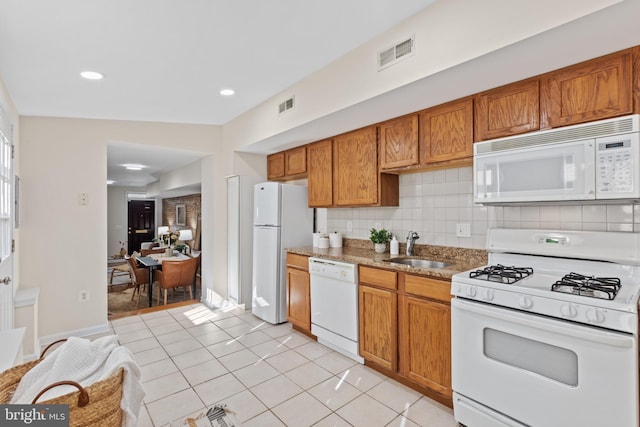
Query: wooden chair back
[139,275]
[145,252]
[175,274]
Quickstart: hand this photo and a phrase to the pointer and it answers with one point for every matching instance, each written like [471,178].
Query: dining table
[154,261]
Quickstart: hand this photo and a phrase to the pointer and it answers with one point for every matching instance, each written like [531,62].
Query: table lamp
[186,235]
[162,230]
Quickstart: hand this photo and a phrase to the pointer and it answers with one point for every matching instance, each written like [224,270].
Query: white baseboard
[85,332]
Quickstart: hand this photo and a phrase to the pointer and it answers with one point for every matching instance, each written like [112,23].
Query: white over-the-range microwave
[596,161]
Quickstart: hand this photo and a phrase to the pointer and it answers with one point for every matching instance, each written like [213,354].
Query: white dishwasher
[334,305]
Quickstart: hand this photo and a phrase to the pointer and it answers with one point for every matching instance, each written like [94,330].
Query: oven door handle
[618,339]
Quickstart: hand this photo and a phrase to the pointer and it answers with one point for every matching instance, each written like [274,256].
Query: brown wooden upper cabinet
[446,132]
[295,161]
[508,110]
[355,163]
[289,164]
[592,90]
[320,173]
[356,179]
[275,166]
[399,142]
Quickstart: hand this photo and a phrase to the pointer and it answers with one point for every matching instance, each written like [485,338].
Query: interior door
[142,227]
[7,214]
[233,239]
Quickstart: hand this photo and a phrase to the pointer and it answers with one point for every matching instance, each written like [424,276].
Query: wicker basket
[97,405]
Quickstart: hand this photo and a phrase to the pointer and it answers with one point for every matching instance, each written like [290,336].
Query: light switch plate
[463,229]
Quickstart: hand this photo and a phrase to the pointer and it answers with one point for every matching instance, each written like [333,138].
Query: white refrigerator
[281,219]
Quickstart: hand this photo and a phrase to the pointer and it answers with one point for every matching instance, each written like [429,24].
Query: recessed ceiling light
[92,75]
[227,92]
[134,167]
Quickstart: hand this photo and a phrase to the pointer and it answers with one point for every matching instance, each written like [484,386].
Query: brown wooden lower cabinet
[405,329]
[298,292]
[425,342]
[378,326]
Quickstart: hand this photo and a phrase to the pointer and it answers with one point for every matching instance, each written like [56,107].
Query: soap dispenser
[395,246]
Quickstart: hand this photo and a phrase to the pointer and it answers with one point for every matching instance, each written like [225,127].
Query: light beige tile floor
[193,357]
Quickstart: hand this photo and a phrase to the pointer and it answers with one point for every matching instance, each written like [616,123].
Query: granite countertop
[361,252]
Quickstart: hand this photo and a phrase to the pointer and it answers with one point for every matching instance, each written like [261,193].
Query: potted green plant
[380,238]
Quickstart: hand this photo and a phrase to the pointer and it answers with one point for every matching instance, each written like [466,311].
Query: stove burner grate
[589,286]
[502,274]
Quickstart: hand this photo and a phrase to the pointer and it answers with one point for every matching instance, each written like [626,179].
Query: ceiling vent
[396,53]
[286,105]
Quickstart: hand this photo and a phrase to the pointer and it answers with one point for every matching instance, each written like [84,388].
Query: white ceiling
[167,60]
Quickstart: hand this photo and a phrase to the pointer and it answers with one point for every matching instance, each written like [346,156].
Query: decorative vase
[123,252]
[380,248]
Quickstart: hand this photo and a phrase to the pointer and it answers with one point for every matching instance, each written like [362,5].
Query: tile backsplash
[433,203]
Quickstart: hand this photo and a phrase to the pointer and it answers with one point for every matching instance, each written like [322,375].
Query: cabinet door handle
[6,280]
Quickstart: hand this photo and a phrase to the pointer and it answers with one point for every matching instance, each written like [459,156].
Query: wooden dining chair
[139,277]
[176,274]
[145,252]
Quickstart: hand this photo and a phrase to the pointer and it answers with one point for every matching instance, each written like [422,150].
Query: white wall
[188,175]
[65,245]
[432,203]
[448,33]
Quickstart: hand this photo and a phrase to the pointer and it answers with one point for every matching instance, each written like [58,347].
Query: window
[6,174]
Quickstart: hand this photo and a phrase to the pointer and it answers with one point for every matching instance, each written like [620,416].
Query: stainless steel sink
[413,262]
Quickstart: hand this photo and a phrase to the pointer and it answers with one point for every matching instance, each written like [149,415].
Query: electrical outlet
[349,226]
[463,229]
[83,296]
[83,199]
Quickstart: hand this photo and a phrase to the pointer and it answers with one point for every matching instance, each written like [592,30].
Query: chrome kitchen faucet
[411,241]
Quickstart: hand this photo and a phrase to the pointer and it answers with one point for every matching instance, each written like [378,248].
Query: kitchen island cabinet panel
[320,173]
[446,132]
[597,89]
[399,142]
[508,110]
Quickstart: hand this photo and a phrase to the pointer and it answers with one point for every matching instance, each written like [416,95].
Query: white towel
[85,362]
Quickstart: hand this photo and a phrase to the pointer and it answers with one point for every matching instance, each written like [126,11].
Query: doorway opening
[141,225]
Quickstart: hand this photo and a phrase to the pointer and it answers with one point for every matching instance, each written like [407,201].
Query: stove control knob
[595,315]
[525,301]
[471,291]
[487,295]
[568,310]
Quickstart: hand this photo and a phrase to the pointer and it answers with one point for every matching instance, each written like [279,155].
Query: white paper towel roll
[323,243]
[316,238]
[335,240]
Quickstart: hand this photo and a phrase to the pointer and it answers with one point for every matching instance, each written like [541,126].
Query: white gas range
[547,333]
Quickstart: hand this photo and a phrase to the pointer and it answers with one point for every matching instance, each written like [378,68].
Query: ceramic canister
[323,243]
[335,240]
